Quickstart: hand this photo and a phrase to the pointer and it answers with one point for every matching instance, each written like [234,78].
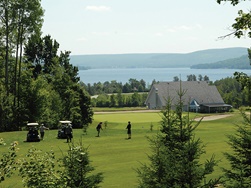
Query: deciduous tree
[8,22]
[7,161]
[191,77]
[41,169]
[38,170]
[242,24]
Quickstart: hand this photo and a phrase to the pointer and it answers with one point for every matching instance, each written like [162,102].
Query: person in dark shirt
[98,128]
[68,132]
[129,133]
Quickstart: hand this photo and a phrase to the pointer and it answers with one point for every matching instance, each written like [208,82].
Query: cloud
[98,8]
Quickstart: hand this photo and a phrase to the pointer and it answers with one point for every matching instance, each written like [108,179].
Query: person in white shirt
[42,128]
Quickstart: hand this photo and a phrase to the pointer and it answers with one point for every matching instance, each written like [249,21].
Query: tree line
[111,94]
[120,100]
[37,82]
[131,94]
[133,85]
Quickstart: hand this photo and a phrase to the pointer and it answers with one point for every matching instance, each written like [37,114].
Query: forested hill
[156,60]
[234,63]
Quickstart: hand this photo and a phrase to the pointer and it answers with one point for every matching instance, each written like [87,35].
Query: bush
[39,169]
[7,162]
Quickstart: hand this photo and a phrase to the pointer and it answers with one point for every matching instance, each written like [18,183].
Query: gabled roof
[193,90]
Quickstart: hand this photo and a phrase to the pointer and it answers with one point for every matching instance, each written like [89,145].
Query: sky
[141,26]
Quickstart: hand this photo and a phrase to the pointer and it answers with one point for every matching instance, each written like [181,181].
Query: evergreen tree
[78,169]
[175,161]
[239,174]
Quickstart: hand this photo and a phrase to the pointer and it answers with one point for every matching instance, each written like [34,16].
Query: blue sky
[140,26]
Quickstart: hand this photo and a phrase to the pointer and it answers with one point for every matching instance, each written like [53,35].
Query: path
[213,117]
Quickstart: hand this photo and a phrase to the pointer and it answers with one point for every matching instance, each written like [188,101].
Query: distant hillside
[156,60]
[234,63]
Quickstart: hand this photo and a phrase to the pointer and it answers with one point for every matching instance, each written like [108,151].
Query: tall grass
[118,157]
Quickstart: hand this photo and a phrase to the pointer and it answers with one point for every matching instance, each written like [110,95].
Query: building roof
[193,90]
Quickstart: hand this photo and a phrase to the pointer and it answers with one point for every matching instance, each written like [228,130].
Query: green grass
[112,109]
[118,157]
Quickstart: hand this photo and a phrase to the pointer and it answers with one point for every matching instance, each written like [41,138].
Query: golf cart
[61,128]
[33,135]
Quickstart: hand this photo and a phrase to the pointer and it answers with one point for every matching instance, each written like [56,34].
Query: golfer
[99,126]
[129,133]
[42,128]
[68,133]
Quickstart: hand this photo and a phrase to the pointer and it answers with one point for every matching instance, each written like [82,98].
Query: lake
[149,74]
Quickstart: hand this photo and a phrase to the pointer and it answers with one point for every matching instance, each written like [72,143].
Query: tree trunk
[7,52]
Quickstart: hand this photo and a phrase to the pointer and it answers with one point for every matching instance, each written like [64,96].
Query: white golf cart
[33,135]
[61,128]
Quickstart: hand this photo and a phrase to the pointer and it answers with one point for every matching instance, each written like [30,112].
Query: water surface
[149,74]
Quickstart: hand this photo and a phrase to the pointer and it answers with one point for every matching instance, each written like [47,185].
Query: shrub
[7,162]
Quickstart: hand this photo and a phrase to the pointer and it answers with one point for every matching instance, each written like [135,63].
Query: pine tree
[239,174]
[78,170]
[175,153]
